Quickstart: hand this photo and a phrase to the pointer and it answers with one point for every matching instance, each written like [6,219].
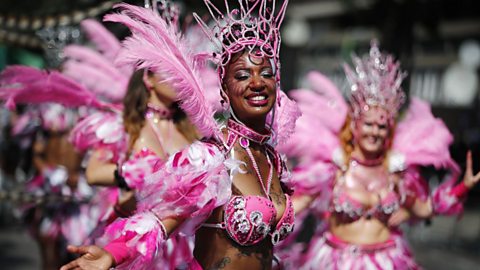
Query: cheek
[235,87]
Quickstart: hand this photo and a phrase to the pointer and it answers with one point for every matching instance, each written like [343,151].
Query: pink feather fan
[156,46]
[22,84]
[323,114]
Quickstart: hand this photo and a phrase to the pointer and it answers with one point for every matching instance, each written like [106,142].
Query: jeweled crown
[252,25]
[376,81]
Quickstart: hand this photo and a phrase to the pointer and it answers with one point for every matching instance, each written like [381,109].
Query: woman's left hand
[470,180]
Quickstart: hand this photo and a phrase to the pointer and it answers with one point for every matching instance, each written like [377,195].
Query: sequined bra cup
[250,219]
[348,209]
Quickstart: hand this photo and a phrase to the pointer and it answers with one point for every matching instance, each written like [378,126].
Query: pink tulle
[103,131]
[322,255]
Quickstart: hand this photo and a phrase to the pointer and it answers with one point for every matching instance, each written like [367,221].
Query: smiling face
[250,85]
[371,132]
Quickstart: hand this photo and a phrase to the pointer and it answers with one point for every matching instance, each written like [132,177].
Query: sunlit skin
[371,132]
[250,87]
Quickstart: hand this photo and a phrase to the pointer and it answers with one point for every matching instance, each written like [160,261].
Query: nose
[257,83]
[375,130]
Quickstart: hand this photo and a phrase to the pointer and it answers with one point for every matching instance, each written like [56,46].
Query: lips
[257,100]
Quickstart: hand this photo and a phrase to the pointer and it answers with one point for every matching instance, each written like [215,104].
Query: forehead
[375,114]
[249,60]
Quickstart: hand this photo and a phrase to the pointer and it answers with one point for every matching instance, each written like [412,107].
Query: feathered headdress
[254,26]
[156,46]
[376,81]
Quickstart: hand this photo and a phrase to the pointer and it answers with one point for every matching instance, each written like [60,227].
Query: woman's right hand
[93,258]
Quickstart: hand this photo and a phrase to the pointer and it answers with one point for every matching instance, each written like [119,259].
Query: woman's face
[250,85]
[162,89]
[371,131]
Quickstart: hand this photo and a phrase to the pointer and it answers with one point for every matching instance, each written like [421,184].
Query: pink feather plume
[157,47]
[22,84]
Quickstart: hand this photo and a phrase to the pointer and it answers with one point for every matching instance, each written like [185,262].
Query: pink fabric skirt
[331,253]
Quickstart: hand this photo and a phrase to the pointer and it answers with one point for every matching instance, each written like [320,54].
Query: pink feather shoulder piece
[22,84]
[323,114]
[421,139]
[156,46]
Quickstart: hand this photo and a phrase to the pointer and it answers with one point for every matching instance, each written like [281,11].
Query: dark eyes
[241,76]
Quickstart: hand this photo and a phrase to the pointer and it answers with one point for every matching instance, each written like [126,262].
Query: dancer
[124,149]
[358,167]
[59,213]
[228,188]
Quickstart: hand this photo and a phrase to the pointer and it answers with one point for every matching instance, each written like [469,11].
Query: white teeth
[257,98]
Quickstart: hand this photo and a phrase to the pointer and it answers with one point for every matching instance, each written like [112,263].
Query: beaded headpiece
[253,25]
[376,81]
[166,9]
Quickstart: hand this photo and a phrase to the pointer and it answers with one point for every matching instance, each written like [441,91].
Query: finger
[80,249]
[72,249]
[468,170]
[70,265]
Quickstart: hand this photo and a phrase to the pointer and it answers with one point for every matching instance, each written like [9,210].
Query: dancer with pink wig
[229,190]
[358,167]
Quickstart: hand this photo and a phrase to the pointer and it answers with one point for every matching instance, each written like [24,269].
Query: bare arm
[100,172]
[97,258]
[301,202]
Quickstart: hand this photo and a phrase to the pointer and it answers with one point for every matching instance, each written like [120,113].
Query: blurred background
[437,42]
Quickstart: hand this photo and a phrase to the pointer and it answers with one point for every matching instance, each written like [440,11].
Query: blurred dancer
[358,167]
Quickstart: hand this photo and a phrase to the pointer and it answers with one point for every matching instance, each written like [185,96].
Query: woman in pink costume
[228,189]
[60,213]
[125,148]
[358,167]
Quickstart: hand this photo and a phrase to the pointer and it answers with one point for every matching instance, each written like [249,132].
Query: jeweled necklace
[368,162]
[246,135]
[155,110]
